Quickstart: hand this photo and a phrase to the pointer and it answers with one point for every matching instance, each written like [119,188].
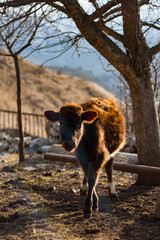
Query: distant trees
[118,30]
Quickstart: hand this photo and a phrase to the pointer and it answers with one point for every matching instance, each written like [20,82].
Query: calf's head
[71,118]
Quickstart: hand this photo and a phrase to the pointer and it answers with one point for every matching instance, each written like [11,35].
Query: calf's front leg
[92,198]
[84,187]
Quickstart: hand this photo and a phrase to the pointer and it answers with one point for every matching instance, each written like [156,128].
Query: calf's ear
[89,116]
[52,116]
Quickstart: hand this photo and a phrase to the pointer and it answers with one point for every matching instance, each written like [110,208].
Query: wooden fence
[33,124]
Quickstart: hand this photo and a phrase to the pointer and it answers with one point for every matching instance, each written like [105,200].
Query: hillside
[42,88]
[107,81]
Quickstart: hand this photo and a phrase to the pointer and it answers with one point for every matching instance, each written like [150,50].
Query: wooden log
[126,157]
[139,169]
[61,158]
[119,166]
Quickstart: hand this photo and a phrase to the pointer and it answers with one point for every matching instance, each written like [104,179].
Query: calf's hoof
[96,209]
[114,197]
[83,192]
[87,214]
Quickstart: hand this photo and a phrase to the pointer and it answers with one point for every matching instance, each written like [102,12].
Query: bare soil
[45,203]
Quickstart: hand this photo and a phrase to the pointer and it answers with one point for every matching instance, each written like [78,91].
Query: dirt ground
[40,199]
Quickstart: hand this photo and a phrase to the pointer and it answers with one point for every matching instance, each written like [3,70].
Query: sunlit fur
[110,121]
[72,109]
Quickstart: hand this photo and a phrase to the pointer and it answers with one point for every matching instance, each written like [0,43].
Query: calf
[95,130]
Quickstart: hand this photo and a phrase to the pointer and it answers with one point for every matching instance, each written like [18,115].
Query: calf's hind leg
[109,170]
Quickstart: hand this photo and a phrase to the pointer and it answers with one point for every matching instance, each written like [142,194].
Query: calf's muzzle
[68,145]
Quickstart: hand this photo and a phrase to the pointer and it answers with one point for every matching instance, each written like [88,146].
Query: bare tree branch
[154,50]
[115,10]
[109,5]
[23,15]
[112,33]
[104,9]
[18,3]
[95,4]
[151,25]
[99,40]
[113,17]
[55,5]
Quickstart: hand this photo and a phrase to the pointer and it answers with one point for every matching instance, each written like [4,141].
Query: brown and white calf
[95,130]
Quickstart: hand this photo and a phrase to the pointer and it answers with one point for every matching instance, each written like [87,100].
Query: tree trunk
[146,126]
[142,92]
[134,65]
[21,142]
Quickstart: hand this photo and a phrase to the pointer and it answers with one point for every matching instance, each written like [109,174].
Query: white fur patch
[112,155]
[112,188]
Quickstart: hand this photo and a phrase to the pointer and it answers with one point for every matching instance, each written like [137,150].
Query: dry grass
[42,88]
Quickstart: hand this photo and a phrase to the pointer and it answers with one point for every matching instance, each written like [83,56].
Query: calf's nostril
[70,144]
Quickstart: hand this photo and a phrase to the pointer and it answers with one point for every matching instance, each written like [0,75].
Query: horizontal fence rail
[33,124]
